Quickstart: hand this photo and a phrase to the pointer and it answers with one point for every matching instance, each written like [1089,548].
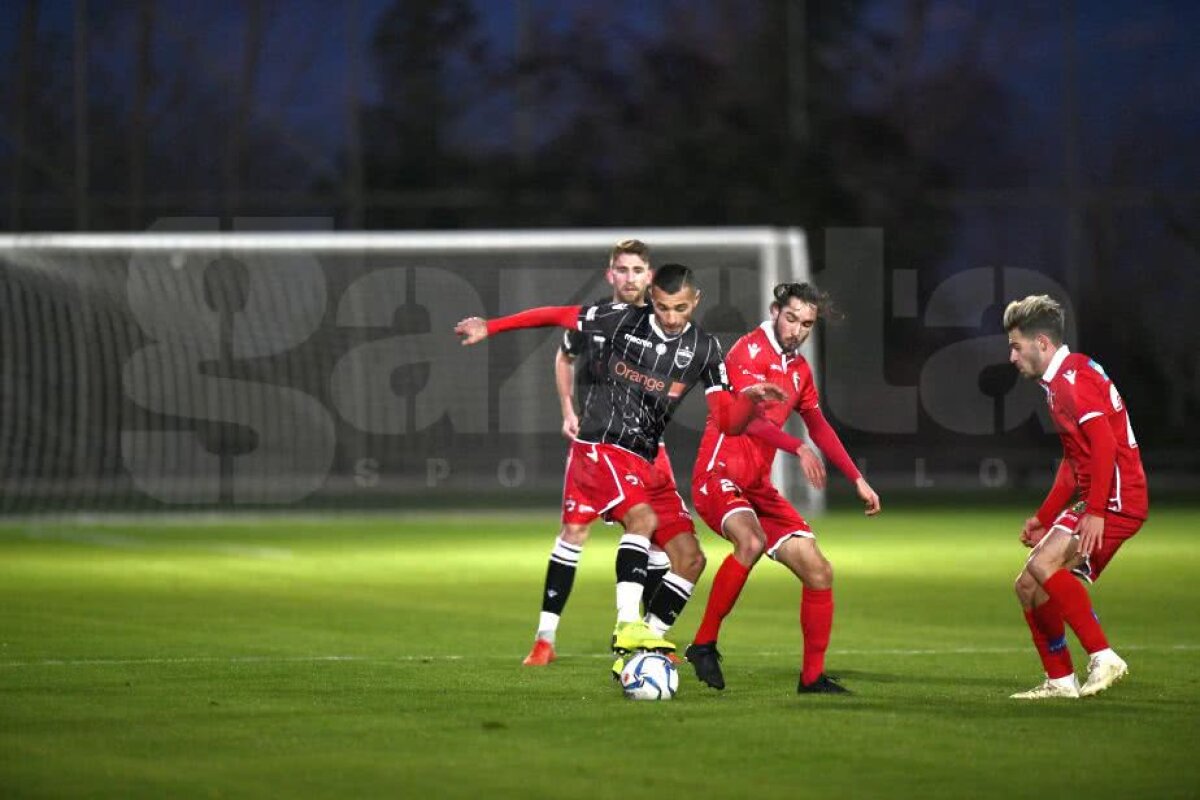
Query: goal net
[200,369]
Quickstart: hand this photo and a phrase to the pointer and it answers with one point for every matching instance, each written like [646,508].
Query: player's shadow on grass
[850,677]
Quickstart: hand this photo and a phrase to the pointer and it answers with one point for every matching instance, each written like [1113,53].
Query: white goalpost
[190,366]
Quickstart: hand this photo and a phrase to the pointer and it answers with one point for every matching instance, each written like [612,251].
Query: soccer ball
[649,676]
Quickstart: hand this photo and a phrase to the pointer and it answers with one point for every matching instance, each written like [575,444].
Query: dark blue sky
[1138,62]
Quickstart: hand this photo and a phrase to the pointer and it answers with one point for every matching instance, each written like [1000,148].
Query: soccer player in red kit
[733,493]
[629,274]
[645,360]
[1098,501]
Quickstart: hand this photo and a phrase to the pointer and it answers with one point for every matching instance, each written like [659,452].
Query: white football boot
[1067,687]
[1104,669]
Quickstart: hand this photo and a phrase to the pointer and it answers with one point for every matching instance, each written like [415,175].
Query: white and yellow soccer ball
[649,676]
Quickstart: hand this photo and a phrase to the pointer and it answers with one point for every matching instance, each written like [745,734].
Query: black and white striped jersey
[638,375]
[574,344]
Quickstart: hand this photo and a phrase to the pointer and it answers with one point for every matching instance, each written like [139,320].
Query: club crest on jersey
[683,356]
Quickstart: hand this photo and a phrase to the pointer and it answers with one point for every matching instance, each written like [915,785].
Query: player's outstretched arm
[476,329]
[472,330]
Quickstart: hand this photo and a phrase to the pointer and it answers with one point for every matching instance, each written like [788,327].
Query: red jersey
[755,358]
[1078,390]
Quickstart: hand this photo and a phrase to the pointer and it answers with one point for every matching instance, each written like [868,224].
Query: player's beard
[631,294]
[788,349]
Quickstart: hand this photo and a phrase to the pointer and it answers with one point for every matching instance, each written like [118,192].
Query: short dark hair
[1037,313]
[672,278]
[805,293]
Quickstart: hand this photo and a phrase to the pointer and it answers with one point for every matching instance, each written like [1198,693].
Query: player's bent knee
[1026,587]
[574,534]
[749,550]
[1041,565]
[641,520]
[691,565]
[819,575]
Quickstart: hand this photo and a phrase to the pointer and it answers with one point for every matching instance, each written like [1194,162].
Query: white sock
[1065,681]
[632,554]
[547,626]
[1107,654]
[658,558]
[629,601]
[657,625]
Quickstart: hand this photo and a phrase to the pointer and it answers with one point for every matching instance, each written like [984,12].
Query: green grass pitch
[380,656]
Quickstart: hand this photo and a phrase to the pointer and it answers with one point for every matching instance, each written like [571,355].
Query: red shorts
[717,496]
[606,481]
[1118,529]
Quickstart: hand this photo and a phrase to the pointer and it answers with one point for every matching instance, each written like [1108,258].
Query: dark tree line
[786,112]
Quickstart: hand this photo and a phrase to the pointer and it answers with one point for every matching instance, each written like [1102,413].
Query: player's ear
[608,275]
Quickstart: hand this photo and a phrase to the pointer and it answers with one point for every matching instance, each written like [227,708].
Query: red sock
[816,621]
[1072,598]
[1050,638]
[727,585]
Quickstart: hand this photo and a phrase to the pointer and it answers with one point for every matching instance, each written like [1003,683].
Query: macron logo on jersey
[1069,376]
[753,348]
[643,342]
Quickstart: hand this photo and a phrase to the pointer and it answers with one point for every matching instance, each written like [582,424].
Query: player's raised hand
[759,392]
[868,496]
[1032,532]
[813,466]
[570,426]
[1091,534]
[472,330]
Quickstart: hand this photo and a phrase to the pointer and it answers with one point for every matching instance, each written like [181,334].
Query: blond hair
[1037,313]
[634,247]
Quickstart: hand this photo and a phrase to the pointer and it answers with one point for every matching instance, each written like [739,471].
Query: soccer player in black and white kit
[629,274]
[644,361]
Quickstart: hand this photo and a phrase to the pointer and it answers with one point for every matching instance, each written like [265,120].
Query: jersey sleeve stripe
[1090,415]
